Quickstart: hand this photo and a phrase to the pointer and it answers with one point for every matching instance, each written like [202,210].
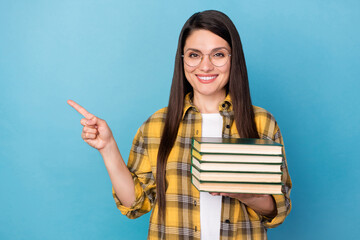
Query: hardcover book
[244,158]
[236,145]
[216,176]
[237,187]
[235,167]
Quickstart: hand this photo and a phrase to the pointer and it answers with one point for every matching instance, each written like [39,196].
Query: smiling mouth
[206,79]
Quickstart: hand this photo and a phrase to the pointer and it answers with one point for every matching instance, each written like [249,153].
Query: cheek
[226,70]
[226,75]
[188,71]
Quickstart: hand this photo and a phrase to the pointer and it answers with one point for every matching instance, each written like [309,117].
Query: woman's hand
[95,132]
[261,203]
[98,135]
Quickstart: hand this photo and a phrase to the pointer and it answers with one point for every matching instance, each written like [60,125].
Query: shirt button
[227,221]
[195,203]
[227,126]
[195,229]
[197,132]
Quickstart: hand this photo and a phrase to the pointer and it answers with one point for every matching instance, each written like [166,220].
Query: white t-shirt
[210,206]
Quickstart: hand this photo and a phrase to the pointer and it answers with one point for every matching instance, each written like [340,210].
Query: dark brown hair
[238,88]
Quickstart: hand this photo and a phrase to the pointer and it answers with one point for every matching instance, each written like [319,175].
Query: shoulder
[265,122]
[153,126]
[262,114]
[158,116]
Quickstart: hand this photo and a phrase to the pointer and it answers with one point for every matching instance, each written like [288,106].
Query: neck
[208,104]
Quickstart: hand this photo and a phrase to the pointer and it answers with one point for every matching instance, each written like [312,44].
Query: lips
[206,78]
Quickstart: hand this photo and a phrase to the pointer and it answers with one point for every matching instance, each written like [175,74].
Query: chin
[208,92]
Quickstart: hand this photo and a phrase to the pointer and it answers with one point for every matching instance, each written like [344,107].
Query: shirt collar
[188,104]
[225,105]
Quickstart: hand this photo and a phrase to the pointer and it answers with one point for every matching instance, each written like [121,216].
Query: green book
[249,177]
[236,167]
[236,187]
[236,157]
[236,145]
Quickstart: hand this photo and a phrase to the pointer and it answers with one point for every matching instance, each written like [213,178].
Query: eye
[219,55]
[193,55]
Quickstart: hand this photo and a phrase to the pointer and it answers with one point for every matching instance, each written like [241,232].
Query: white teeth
[207,78]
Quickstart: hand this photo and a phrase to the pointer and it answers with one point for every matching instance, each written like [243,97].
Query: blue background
[116,59]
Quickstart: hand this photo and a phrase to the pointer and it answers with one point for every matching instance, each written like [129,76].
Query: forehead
[204,41]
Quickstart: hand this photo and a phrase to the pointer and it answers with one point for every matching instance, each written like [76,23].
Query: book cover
[216,176]
[236,145]
[236,157]
[236,167]
[236,187]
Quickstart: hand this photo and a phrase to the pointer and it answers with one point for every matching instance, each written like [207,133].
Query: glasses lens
[219,57]
[192,58]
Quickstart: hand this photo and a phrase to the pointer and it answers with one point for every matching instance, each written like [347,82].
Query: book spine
[217,171]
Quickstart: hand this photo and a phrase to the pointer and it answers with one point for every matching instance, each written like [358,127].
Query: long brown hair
[238,88]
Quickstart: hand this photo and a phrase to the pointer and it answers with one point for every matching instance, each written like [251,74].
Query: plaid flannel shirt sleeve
[140,169]
[283,203]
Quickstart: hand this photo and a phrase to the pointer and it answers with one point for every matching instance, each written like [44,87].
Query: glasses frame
[202,57]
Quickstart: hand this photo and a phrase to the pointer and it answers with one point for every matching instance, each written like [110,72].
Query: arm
[120,175]
[97,134]
[263,205]
[142,177]
[272,209]
[283,202]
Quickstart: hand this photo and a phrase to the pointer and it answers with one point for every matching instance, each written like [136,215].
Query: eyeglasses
[218,57]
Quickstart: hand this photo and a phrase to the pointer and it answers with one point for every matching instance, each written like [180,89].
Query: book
[215,176]
[236,167]
[236,145]
[236,187]
[245,158]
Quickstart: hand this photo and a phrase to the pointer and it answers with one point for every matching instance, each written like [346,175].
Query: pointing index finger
[80,109]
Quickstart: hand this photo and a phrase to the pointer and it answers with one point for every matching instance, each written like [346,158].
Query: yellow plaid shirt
[182,199]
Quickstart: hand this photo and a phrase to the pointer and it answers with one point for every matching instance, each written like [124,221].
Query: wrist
[262,204]
[269,207]
[273,208]
[109,150]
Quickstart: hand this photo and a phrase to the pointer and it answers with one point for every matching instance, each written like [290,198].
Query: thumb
[96,121]
[92,121]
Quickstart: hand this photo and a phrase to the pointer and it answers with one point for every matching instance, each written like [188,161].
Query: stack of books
[236,165]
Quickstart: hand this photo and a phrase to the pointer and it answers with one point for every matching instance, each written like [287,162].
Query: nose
[205,64]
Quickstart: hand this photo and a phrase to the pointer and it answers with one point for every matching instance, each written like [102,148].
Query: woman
[209,97]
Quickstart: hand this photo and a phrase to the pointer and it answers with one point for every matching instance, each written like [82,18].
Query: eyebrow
[215,49]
